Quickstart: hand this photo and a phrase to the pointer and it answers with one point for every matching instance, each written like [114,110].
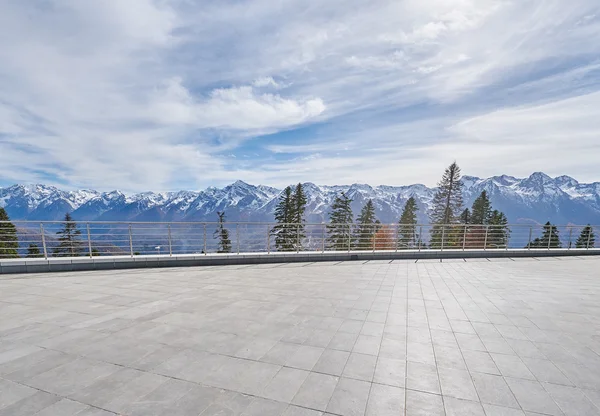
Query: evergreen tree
[33,251]
[465,217]
[9,242]
[69,243]
[366,227]
[549,239]
[447,207]
[339,231]
[407,226]
[222,234]
[587,238]
[96,253]
[297,216]
[498,232]
[284,232]
[481,211]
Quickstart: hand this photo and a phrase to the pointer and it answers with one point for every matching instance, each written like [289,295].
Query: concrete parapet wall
[64,264]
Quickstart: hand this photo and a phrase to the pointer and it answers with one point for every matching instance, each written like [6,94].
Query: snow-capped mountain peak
[538,198]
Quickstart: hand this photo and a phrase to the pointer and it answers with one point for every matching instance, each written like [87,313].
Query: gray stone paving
[457,338]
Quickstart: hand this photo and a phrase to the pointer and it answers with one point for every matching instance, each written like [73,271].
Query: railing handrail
[430,224]
[181,237]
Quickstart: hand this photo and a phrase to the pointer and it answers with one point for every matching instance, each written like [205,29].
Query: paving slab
[376,338]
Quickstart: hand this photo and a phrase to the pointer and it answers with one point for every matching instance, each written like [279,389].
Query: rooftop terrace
[498,337]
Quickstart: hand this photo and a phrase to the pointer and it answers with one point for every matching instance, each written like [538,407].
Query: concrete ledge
[62,264]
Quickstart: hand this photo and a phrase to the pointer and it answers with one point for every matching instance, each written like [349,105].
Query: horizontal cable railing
[48,239]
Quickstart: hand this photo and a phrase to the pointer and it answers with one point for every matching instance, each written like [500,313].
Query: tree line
[452,225]
[68,241]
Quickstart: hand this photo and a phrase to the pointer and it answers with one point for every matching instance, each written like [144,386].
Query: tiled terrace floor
[495,338]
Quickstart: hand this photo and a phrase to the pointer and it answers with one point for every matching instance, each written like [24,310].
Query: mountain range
[535,199]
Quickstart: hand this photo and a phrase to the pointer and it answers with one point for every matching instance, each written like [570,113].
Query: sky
[183,94]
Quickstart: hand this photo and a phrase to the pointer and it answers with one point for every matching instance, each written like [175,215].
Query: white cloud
[305,148]
[395,60]
[238,108]
[265,82]
[557,138]
[140,94]
[243,108]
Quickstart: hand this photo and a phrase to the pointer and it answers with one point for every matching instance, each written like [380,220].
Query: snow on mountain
[537,198]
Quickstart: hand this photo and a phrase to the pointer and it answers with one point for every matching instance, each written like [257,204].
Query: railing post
[443,235]
[349,237]
[396,237]
[89,239]
[237,233]
[550,238]
[487,230]
[204,239]
[43,241]
[570,236]
[530,235]
[130,241]
[465,237]
[268,239]
[324,232]
[420,236]
[170,243]
[591,230]
[297,238]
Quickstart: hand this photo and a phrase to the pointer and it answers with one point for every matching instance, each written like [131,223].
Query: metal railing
[48,239]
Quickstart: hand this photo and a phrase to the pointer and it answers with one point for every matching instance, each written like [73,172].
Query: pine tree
[549,239]
[447,207]
[339,229]
[33,251]
[284,232]
[222,234]
[69,242]
[481,211]
[297,216]
[365,227]
[465,217]
[9,242]
[407,226]
[498,232]
[587,238]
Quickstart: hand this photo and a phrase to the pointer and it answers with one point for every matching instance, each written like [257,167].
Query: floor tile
[316,391]
[386,401]
[422,377]
[284,386]
[360,366]
[494,390]
[457,383]
[459,407]
[390,371]
[423,404]
[532,396]
[349,397]
[332,362]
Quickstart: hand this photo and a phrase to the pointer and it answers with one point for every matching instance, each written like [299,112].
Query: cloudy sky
[182,94]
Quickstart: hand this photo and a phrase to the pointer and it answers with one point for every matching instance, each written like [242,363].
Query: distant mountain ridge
[535,199]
